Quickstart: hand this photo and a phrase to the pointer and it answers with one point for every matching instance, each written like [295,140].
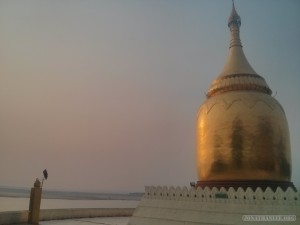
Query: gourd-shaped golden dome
[242,131]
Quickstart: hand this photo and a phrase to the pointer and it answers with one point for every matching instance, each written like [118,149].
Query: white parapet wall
[183,206]
[21,217]
[59,214]
[13,217]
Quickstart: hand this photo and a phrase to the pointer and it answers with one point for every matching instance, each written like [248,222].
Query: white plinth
[183,206]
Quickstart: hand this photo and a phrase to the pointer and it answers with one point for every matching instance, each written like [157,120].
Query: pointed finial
[234,18]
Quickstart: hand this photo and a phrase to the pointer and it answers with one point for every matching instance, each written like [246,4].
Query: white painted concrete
[174,206]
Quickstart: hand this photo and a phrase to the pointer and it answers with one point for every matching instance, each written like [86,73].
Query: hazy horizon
[104,94]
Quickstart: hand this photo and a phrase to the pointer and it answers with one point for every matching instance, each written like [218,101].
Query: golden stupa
[242,131]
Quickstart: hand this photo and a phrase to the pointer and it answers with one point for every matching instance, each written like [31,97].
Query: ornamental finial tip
[234,18]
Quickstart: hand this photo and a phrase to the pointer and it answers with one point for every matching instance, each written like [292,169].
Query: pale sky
[104,93]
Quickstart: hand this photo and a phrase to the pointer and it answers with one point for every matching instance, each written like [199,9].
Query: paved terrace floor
[88,221]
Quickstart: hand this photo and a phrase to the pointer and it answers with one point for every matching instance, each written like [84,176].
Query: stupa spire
[237,62]
[237,73]
[234,23]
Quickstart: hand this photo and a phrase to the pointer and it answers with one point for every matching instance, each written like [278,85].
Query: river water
[17,204]
[17,200]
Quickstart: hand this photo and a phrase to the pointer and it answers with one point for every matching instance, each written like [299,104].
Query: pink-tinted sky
[104,93]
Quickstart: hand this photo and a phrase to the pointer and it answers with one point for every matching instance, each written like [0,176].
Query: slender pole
[42,182]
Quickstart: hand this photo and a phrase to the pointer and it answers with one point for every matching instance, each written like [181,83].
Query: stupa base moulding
[244,184]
